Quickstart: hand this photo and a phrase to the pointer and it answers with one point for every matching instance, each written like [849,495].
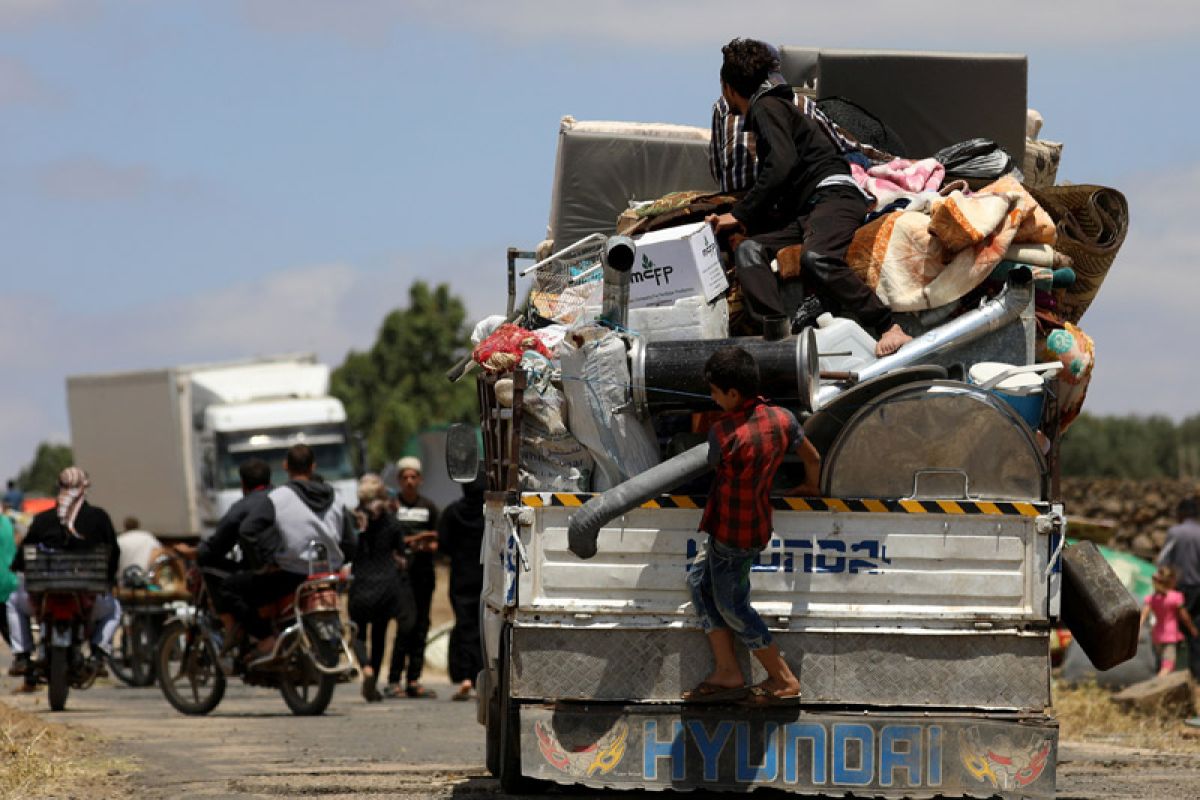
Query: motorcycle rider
[224,551]
[72,525]
[278,532]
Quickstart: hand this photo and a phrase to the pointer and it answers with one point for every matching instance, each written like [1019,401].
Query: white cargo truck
[164,445]
[914,598]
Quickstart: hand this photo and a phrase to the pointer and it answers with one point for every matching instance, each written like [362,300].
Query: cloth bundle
[502,350]
[917,261]
[1075,350]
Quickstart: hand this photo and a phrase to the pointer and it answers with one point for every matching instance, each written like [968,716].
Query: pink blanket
[900,178]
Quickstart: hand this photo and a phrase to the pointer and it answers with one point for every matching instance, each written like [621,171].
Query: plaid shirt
[747,445]
[733,151]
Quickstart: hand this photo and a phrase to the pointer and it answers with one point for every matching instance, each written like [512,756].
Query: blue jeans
[720,584]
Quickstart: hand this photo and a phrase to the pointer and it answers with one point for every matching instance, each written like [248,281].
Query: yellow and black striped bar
[849,506]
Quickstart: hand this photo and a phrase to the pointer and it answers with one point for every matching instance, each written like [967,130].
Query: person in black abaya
[460,537]
[380,589]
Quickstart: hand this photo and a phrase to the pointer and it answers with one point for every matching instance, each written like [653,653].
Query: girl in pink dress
[1166,603]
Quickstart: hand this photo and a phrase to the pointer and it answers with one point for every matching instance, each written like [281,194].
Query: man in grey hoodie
[303,510]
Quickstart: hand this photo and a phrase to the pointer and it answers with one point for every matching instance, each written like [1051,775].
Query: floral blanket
[916,260]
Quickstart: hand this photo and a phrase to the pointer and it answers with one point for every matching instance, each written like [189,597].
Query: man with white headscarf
[72,525]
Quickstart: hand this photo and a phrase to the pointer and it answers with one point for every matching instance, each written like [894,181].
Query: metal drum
[937,440]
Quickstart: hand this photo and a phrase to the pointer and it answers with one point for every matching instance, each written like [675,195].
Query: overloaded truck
[914,598]
[164,445]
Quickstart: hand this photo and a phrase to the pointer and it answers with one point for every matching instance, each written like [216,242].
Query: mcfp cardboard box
[675,263]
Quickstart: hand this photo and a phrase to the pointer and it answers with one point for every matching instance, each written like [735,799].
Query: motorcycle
[63,587]
[313,648]
[148,598]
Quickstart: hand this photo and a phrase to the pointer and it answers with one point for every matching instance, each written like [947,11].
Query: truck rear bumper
[876,669]
[884,754]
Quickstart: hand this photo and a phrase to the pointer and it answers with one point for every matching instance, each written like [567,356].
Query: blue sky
[184,181]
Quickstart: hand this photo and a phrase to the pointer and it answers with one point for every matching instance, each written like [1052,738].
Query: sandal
[393,690]
[707,692]
[464,693]
[762,696]
[420,692]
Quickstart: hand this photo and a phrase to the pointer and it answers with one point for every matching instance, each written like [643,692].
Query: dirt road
[251,747]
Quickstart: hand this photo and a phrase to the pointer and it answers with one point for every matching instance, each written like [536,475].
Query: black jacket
[214,551]
[794,155]
[92,523]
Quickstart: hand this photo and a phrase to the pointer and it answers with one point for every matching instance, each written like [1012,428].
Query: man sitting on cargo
[279,531]
[803,194]
[746,445]
[72,525]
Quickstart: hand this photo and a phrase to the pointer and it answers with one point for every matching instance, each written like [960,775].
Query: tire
[492,745]
[120,661]
[145,651]
[189,671]
[509,761]
[1096,606]
[306,690]
[135,651]
[59,666]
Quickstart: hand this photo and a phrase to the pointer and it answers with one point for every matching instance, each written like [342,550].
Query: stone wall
[1132,515]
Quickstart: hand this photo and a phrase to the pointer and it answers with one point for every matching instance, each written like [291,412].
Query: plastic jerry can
[850,348]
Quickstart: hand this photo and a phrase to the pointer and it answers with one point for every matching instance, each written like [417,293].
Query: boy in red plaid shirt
[746,445]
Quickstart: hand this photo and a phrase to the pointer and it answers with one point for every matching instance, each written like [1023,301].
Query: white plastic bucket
[1022,390]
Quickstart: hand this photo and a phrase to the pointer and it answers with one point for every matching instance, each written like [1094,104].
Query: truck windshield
[329,447]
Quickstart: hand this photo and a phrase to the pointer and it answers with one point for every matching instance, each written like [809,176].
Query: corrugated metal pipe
[586,523]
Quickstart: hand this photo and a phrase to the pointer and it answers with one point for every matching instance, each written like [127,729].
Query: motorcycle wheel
[60,687]
[189,671]
[135,649]
[306,690]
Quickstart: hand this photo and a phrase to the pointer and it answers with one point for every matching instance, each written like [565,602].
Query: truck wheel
[492,746]
[509,718]
[59,688]
[189,672]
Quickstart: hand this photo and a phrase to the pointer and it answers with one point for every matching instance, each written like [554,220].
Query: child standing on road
[1166,603]
[746,445]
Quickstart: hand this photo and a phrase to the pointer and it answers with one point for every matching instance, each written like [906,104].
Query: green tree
[399,386]
[1124,447]
[41,476]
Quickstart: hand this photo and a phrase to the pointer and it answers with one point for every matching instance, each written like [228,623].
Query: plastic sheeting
[596,382]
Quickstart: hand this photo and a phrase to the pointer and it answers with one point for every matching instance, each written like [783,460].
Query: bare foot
[892,340]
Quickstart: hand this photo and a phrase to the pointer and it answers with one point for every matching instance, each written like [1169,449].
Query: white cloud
[93,179]
[326,309]
[682,23]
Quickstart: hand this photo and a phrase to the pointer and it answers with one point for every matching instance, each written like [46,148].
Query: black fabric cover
[931,100]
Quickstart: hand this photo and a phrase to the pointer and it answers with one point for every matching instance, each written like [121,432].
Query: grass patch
[39,759]
[1086,713]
